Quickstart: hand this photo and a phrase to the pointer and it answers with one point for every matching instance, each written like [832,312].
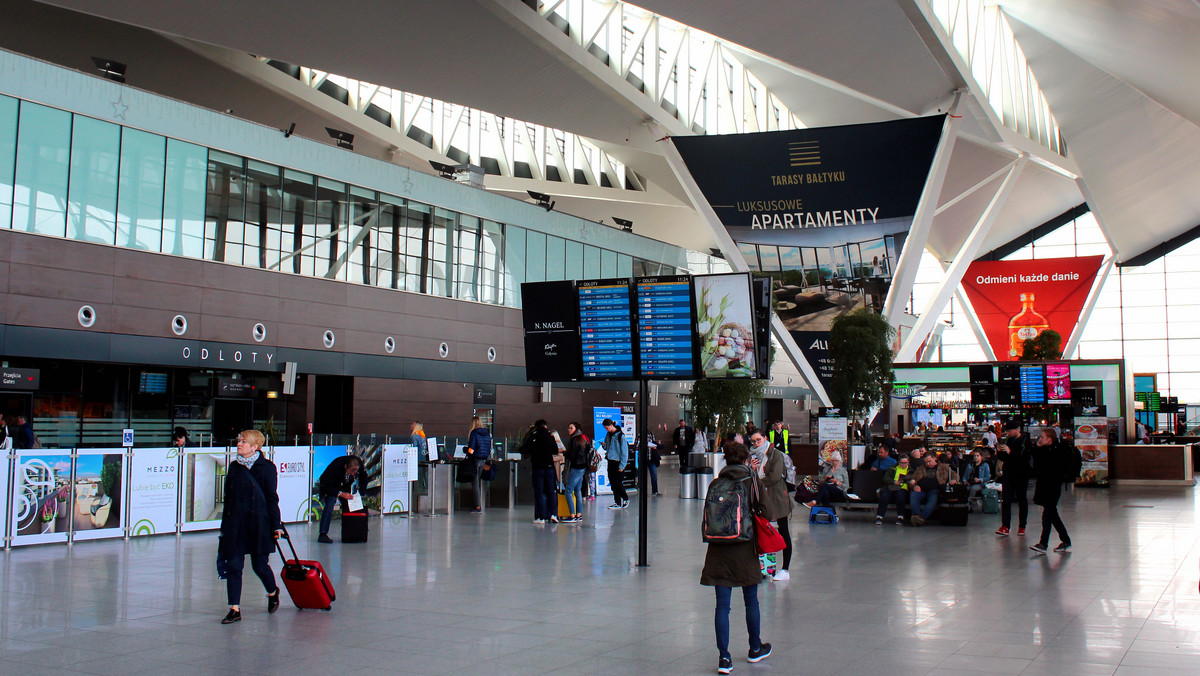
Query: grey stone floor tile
[495,595]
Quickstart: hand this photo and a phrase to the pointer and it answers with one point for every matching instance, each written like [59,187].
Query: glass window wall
[73,176]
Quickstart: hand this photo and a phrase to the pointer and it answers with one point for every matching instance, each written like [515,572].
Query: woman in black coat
[250,523]
[1050,469]
[735,564]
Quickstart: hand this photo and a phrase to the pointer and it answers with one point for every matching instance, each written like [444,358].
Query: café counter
[1161,465]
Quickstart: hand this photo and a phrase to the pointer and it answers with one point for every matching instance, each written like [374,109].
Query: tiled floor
[495,595]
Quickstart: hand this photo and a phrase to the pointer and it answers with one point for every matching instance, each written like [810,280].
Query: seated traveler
[924,484]
[831,482]
[882,460]
[976,476]
[894,490]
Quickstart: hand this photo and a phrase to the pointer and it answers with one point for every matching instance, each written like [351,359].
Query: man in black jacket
[1015,452]
[684,437]
[336,483]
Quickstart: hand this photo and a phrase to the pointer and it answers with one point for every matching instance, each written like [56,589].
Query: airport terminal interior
[323,221]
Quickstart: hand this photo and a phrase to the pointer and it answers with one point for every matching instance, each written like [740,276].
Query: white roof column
[933,309]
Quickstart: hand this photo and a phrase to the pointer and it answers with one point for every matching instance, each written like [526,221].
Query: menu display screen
[606,329]
[1033,385]
[1058,383]
[664,312]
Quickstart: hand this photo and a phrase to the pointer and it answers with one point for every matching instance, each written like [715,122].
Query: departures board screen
[665,328]
[606,330]
[1033,385]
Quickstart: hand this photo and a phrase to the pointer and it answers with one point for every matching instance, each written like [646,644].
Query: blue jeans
[575,490]
[923,503]
[327,506]
[887,496]
[653,478]
[545,493]
[721,619]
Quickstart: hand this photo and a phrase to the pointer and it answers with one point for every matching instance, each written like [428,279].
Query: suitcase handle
[286,536]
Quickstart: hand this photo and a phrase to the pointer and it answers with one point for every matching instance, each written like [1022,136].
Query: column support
[964,257]
[1093,297]
[918,233]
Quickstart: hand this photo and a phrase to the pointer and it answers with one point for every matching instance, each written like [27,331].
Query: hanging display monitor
[1058,384]
[762,327]
[551,331]
[983,395]
[606,330]
[981,374]
[666,346]
[1033,384]
[1009,373]
[725,325]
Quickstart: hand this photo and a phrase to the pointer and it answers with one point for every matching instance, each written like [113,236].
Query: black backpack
[728,515]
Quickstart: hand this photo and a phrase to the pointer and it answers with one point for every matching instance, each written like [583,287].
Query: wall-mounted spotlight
[287,133]
[344,138]
[626,225]
[543,200]
[110,69]
[445,170]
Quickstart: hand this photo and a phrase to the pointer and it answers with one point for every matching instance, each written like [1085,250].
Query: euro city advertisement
[1018,300]
[824,212]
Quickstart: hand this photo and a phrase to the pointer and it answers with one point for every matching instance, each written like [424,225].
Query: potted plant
[49,513]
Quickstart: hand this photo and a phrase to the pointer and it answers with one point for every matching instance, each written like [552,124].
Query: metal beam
[966,255]
[733,256]
[1038,232]
[1159,250]
[918,233]
[1093,297]
[973,320]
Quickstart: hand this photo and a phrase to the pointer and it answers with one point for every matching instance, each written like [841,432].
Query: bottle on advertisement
[1025,325]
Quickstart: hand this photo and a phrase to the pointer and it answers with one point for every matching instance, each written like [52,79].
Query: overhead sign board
[20,379]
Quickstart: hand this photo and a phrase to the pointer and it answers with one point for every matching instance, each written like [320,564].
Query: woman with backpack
[734,563]
[479,448]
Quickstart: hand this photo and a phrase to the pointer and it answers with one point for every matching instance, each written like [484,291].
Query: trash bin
[704,476]
[687,483]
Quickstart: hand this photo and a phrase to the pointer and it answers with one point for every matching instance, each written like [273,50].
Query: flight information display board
[1033,385]
[606,329]
[665,333]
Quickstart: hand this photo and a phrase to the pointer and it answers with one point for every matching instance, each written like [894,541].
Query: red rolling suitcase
[306,581]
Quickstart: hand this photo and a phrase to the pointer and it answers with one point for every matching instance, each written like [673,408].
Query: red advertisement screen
[1058,384]
[1016,300]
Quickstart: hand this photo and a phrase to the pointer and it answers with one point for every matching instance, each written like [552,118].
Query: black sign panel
[981,374]
[551,331]
[228,387]
[484,394]
[761,287]
[20,379]
[606,330]
[665,334]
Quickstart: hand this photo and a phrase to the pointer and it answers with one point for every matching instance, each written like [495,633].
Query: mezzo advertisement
[824,211]
[153,490]
[399,468]
[1018,300]
[98,490]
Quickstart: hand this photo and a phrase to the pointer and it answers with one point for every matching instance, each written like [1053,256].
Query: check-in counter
[1162,465]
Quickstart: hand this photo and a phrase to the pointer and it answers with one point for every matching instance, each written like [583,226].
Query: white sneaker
[539,521]
[782,576]
[853,496]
